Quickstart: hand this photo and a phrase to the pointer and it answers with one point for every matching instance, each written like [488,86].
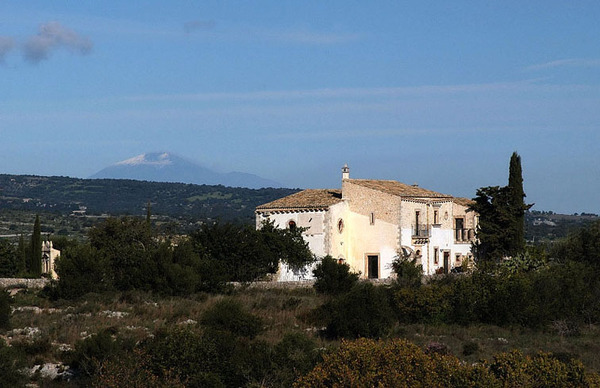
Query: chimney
[345,172]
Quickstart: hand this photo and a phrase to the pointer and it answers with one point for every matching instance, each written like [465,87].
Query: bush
[10,364]
[395,363]
[408,273]
[207,359]
[542,370]
[333,278]
[293,357]
[399,363]
[470,348]
[92,352]
[364,311]
[4,310]
[424,304]
[228,315]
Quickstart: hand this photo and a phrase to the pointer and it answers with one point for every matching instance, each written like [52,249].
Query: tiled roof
[306,199]
[463,201]
[397,188]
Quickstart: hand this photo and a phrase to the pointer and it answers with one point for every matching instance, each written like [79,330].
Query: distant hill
[120,197]
[167,167]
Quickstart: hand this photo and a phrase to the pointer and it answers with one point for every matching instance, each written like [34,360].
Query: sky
[438,93]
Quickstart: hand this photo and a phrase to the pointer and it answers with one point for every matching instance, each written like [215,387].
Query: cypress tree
[517,206]
[148,213]
[35,265]
[21,255]
[501,229]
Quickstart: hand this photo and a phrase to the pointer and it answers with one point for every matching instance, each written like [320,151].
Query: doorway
[373,266]
[446,262]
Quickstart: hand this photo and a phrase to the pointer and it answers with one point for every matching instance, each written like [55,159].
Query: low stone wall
[23,283]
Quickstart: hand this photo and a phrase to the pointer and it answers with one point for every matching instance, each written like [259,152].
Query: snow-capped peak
[153,159]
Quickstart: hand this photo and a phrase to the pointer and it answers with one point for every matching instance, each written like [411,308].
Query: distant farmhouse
[368,222]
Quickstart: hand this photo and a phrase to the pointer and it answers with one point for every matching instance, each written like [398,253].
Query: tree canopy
[501,228]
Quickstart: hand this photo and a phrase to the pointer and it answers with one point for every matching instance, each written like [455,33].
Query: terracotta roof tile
[463,201]
[306,199]
[397,188]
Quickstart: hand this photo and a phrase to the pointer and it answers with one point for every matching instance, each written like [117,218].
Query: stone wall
[23,283]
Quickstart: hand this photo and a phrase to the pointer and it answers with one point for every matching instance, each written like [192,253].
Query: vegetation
[182,202]
[125,254]
[35,256]
[501,229]
[398,363]
[333,278]
[139,305]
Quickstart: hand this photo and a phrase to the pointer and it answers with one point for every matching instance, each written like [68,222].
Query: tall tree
[21,256]
[8,259]
[517,206]
[35,264]
[148,213]
[501,229]
[495,221]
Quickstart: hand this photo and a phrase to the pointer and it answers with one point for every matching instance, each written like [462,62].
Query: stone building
[368,222]
[49,256]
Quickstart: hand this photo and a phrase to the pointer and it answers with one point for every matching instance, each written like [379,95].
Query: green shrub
[210,358]
[364,311]
[470,348]
[92,352]
[4,310]
[10,365]
[428,303]
[408,273]
[228,315]
[333,278]
[294,356]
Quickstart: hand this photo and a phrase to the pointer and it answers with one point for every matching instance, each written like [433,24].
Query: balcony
[421,231]
[464,235]
[420,234]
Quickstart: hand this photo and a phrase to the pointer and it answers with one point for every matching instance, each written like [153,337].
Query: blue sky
[439,93]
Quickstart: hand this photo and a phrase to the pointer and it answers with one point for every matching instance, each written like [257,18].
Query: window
[436,217]
[372,218]
[436,255]
[459,229]
[292,225]
[341,260]
[340,225]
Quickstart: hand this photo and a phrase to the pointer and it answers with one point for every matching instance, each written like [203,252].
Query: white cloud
[573,62]
[52,36]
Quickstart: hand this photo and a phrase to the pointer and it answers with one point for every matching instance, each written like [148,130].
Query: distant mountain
[167,167]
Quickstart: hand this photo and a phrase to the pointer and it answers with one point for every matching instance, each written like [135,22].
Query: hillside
[117,197]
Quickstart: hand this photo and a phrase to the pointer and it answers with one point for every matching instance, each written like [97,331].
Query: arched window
[292,225]
[340,225]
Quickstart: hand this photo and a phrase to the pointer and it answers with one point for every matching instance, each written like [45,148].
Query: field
[48,331]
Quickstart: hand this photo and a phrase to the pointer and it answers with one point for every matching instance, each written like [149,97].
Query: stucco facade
[368,222]
[49,257]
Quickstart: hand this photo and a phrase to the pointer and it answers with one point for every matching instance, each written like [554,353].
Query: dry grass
[137,315]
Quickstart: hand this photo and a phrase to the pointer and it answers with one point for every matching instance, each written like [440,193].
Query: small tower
[345,172]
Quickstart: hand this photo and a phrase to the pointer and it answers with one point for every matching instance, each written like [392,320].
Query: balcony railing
[421,231]
[464,235]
